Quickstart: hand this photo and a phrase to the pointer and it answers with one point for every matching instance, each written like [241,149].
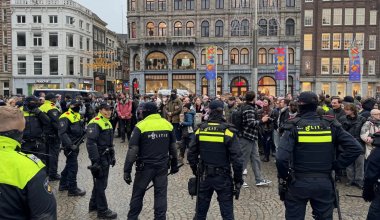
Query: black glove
[237,190]
[96,170]
[112,155]
[238,179]
[282,188]
[35,111]
[368,193]
[194,169]
[174,166]
[127,178]
[113,161]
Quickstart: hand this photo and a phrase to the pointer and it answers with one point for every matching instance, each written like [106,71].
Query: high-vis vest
[72,116]
[47,106]
[103,122]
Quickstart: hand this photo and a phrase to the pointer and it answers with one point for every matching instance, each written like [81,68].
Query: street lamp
[254,53]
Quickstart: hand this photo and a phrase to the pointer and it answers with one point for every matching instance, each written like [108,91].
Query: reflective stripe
[229,133]
[314,132]
[315,139]
[211,139]
[216,124]
[212,133]
[197,132]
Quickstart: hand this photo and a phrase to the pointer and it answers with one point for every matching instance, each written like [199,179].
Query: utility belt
[312,175]
[215,171]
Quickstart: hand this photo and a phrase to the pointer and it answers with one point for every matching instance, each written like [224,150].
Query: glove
[35,111]
[368,193]
[194,169]
[282,188]
[96,170]
[174,166]
[127,178]
[238,179]
[113,159]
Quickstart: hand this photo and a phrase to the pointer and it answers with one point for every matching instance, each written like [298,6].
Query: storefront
[86,85]
[185,81]
[42,84]
[239,86]
[267,86]
[153,83]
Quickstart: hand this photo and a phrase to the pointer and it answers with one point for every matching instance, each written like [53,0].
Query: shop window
[153,83]
[184,81]
[267,86]
[156,61]
[204,86]
[239,86]
[184,60]
[135,85]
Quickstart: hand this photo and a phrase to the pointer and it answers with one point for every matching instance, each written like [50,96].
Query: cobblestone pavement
[255,202]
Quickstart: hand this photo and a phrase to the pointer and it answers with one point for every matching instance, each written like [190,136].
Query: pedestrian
[367,105]
[214,149]
[339,113]
[308,144]
[51,135]
[102,155]
[172,111]
[371,126]
[187,130]
[25,192]
[152,147]
[124,112]
[230,108]
[266,128]
[70,132]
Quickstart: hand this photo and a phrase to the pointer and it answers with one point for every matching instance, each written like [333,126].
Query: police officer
[218,148]
[102,154]
[308,144]
[24,188]
[51,135]
[36,120]
[71,129]
[153,143]
[371,190]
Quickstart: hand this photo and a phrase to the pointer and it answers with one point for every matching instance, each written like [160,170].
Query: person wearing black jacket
[336,104]
[367,105]
[283,114]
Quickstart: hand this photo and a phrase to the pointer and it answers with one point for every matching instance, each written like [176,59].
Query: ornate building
[5,48]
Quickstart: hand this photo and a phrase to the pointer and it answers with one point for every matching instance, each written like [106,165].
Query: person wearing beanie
[172,111]
[367,105]
[308,144]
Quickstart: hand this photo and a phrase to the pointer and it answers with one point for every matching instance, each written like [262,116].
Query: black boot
[92,208]
[76,192]
[108,214]
[63,188]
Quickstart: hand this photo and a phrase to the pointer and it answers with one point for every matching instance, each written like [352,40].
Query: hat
[187,105]
[174,91]
[150,107]
[31,98]
[215,104]
[50,96]
[348,99]
[306,98]
[104,105]
[75,102]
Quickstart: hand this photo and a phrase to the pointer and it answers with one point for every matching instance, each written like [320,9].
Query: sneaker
[263,182]
[108,214]
[245,172]
[245,185]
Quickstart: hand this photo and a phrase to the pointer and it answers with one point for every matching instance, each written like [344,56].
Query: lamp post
[254,52]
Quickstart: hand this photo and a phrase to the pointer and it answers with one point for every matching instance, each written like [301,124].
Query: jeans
[250,152]
[125,126]
[276,139]
[355,171]
[177,131]
[267,143]
[374,208]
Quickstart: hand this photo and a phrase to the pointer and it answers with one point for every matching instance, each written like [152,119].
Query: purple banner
[280,61]
[355,57]
[211,63]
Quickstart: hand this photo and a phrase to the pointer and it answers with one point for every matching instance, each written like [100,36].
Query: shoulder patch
[67,113]
[97,118]
[47,186]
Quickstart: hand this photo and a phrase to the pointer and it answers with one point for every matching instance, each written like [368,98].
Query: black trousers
[125,127]
[69,173]
[36,148]
[142,178]
[53,148]
[98,196]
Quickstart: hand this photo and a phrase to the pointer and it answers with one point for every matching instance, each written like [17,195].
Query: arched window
[289,27]
[263,26]
[234,56]
[156,61]
[239,86]
[219,87]
[219,28]
[178,28]
[290,56]
[205,29]
[204,86]
[184,60]
[136,62]
[150,29]
[262,56]
[220,56]
[203,57]
[271,56]
[244,56]
[162,29]
[235,28]
[272,27]
[190,28]
[244,30]
[267,86]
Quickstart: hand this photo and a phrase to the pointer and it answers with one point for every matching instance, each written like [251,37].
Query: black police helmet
[308,98]
[216,104]
[31,99]
[104,105]
[50,96]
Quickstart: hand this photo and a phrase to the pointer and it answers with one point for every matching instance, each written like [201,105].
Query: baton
[33,152]
[166,175]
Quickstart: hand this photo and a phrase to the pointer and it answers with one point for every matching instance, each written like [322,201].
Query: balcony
[156,40]
[183,40]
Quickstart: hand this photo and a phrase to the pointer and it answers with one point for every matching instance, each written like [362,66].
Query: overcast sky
[109,11]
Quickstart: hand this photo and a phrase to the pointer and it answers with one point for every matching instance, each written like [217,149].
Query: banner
[355,58]
[211,59]
[280,58]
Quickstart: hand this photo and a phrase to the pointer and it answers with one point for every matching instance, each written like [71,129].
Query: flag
[354,66]
[211,62]
[280,58]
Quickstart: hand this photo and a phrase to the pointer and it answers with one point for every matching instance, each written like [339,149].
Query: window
[337,39]
[235,3]
[325,41]
[235,28]
[308,20]
[325,65]
[308,42]
[371,67]
[271,56]
[80,24]
[244,3]
[244,30]
[272,27]
[190,4]
[155,61]
[263,26]
[88,44]
[132,6]
[21,39]
[178,29]
[70,65]
[359,38]
[244,56]
[289,27]
[81,66]
[262,56]
[21,19]
[336,66]
[21,65]
[150,29]
[184,61]
[234,56]
[219,28]
[37,65]
[134,31]
[346,65]
[4,17]
[53,39]
[348,38]
[162,29]
[69,40]
[219,53]
[290,3]
[5,60]
[326,16]
[190,28]
[5,37]
[219,4]
[360,16]
[203,57]
[205,29]
[88,69]
[70,20]
[81,42]
[53,19]
[87,27]
[162,5]
[372,42]
[373,17]
[348,16]
[204,86]
[37,19]
[337,16]
[177,4]
[290,56]
[53,65]
[205,4]
[149,5]
[37,39]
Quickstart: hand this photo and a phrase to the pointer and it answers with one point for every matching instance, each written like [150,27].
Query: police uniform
[51,135]
[218,148]
[71,129]
[152,141]
[308,144]
[24,188]
[102,154]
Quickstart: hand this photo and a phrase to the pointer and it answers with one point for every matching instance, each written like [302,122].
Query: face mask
[173,96]
[76,109]
[14,134]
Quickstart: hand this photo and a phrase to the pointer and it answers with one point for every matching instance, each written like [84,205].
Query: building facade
[328,30]
[5,48]
[168,41]
[51,45]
